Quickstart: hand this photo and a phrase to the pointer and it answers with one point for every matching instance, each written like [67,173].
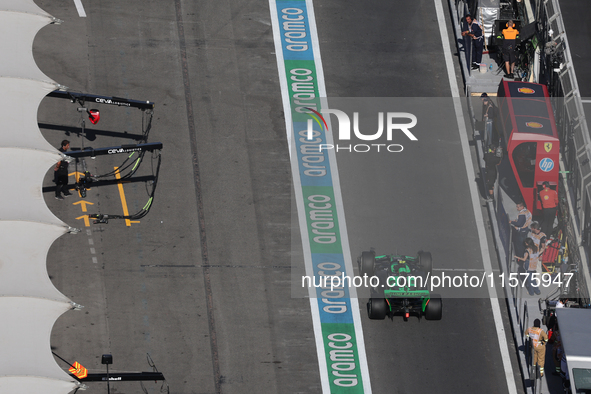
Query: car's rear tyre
[426,262]
[368,262]
[377,308]
[434,308]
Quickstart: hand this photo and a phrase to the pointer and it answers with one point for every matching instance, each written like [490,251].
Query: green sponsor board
[322,220]
[342,358]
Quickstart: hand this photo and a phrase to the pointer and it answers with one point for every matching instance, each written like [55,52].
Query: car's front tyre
[426,262]
[368,263]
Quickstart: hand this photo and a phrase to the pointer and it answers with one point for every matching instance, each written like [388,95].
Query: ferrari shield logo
[548,147]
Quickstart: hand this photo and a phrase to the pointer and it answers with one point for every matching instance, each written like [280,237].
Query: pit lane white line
[80,8]
[91,242]
[494,300]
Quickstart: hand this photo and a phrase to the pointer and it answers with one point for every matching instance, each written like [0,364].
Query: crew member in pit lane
[530,264]
[488,107]
[539,338]
[509,35]
[539,239]
[473,31]
[61,174]
[521,227]
[549,199]
[492,158]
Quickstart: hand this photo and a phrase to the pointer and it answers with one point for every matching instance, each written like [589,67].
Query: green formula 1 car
[399,286]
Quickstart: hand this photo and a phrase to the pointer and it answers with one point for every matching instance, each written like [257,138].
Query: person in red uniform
[549,199]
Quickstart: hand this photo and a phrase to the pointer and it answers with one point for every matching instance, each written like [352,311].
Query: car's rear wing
[406,293]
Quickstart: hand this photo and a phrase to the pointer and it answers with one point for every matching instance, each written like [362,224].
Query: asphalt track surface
[203,283]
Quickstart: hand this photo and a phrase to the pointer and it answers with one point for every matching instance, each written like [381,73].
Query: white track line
[80,8]
[494,300]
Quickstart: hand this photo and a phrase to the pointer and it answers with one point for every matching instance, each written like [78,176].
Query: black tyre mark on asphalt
[197,182]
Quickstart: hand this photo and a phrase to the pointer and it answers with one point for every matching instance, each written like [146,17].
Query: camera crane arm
[87,97]
[113,150]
